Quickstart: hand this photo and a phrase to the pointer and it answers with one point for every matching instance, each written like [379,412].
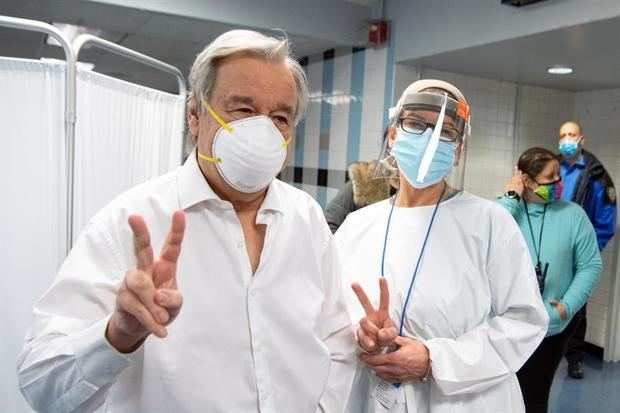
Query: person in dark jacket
[587,183]
[360,190]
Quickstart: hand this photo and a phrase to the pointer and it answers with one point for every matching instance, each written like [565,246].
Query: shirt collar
[275,199]
[581,162]
[194,188]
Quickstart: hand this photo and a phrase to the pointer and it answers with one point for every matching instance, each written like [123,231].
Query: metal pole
[84,39]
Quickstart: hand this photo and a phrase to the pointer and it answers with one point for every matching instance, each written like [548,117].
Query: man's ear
[193,116]
[582,141]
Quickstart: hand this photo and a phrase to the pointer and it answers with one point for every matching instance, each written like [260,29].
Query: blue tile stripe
[325,123]
[389,76]
[358,59]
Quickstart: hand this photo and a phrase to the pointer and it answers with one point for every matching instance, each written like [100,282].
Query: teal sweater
[569,246]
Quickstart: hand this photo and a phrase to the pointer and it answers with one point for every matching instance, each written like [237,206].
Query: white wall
[424,28]
[541,112]
[598,114]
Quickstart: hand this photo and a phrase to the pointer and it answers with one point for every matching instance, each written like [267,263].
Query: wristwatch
[513,195]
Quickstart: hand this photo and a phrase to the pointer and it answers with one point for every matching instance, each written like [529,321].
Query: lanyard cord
[542,225]
[415,271]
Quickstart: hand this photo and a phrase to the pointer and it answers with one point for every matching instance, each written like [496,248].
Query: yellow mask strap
[286,142]
[208,158]
[219,120]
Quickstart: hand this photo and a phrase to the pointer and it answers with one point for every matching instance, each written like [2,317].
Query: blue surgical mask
[569,148]
[409,149]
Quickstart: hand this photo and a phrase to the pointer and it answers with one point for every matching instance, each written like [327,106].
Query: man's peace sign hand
[147,299]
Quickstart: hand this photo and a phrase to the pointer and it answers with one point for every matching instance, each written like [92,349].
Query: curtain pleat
[125,134]
[33,209]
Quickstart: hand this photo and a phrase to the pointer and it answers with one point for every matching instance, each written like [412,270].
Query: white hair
[204,69]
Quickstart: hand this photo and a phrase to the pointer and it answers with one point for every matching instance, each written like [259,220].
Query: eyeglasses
[417,126]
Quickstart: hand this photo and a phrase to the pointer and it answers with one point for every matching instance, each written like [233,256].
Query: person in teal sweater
[566,258]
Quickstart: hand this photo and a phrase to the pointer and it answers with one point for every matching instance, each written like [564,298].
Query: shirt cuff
[99,362]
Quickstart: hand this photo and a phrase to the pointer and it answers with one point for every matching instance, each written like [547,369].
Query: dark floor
[598,391]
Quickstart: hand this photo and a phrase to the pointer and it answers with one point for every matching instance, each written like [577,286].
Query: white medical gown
[475,302]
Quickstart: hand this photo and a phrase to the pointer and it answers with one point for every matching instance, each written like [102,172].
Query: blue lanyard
[417,266]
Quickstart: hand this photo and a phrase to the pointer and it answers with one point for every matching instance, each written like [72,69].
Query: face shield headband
[458,110]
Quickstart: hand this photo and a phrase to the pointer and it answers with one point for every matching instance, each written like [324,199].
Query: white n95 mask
[248,153]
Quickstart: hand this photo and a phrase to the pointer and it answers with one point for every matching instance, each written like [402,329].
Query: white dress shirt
[475,301]
[277,341]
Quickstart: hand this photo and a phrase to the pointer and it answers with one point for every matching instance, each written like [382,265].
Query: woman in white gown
[463,311]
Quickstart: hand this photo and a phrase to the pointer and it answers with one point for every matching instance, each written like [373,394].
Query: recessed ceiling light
[560,70]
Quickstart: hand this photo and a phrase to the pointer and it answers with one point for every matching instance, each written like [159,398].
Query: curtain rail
[85,39]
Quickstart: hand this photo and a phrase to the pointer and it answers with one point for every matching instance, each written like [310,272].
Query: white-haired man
[263,324]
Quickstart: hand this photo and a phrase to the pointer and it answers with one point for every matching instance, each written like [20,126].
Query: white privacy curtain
[33,207]
[125,135]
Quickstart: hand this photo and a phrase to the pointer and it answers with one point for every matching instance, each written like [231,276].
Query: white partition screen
[125,135]
[33,209]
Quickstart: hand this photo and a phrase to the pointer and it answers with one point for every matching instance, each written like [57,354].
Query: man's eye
[281,120]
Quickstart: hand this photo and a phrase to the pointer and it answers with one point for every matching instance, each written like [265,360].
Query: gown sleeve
[499,346]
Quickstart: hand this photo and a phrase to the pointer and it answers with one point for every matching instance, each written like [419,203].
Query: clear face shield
[428,133]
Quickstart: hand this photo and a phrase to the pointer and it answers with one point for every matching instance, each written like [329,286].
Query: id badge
[385,393]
